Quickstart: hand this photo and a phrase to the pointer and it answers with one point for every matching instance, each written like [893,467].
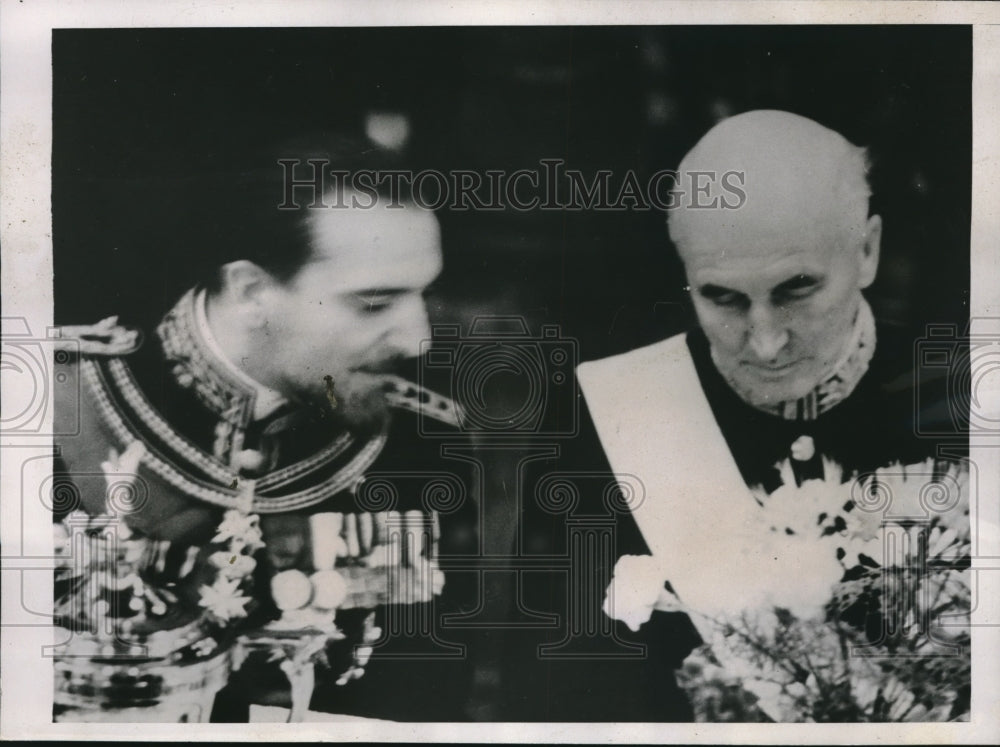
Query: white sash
[654,421]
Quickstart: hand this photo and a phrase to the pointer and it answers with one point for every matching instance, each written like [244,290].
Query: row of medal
[361,560]
[372,539]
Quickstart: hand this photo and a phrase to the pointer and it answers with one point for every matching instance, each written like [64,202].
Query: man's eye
[373,304]
[727,300]
[793,295]
[799,288]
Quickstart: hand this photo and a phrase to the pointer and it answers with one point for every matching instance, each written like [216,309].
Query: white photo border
[25,237]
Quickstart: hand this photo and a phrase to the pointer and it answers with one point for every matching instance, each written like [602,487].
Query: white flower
[125,464]
[635,590]
[900,492]
[781,558]
[224,599]
[770,653]
[242,529]
[232,565]
[762,569]
[864,527]
[205,646]
[913,491]
[899,697]
[864,687]
[798,507]
[943,545]
[120,475]
[788,571]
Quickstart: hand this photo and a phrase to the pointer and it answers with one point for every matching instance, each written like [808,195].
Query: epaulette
[107,337]
[410,396]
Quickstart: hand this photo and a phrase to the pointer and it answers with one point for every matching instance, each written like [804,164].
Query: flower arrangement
[851,602]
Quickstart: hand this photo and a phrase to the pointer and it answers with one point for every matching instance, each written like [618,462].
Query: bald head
[796,174]
[775,278]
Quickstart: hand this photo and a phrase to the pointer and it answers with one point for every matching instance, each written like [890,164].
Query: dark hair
[256,214]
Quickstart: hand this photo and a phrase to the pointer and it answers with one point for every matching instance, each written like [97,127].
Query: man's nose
[412,328]
[768,334]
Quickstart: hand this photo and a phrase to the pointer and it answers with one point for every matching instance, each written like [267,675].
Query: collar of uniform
[338,463]
[266,400]
[197,363]
[838,384]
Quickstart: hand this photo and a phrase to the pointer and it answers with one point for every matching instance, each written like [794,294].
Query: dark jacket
[566,660]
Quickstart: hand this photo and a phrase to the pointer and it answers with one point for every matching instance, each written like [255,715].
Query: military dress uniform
[380,505]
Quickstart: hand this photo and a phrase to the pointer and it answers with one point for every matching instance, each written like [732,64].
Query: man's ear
[870,251]
[245,286]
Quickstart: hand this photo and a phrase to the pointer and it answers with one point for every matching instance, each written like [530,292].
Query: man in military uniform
[271,389]
[787,366]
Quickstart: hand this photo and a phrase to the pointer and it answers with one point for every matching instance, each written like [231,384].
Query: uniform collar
[198,363]
[266,399]
[839,382]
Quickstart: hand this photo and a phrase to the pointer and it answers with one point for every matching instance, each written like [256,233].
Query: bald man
[776,283]
[786,372]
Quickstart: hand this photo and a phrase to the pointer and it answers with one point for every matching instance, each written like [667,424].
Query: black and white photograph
[501,378]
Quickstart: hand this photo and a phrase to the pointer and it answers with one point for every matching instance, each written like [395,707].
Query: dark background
[144,119]
[142,116]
